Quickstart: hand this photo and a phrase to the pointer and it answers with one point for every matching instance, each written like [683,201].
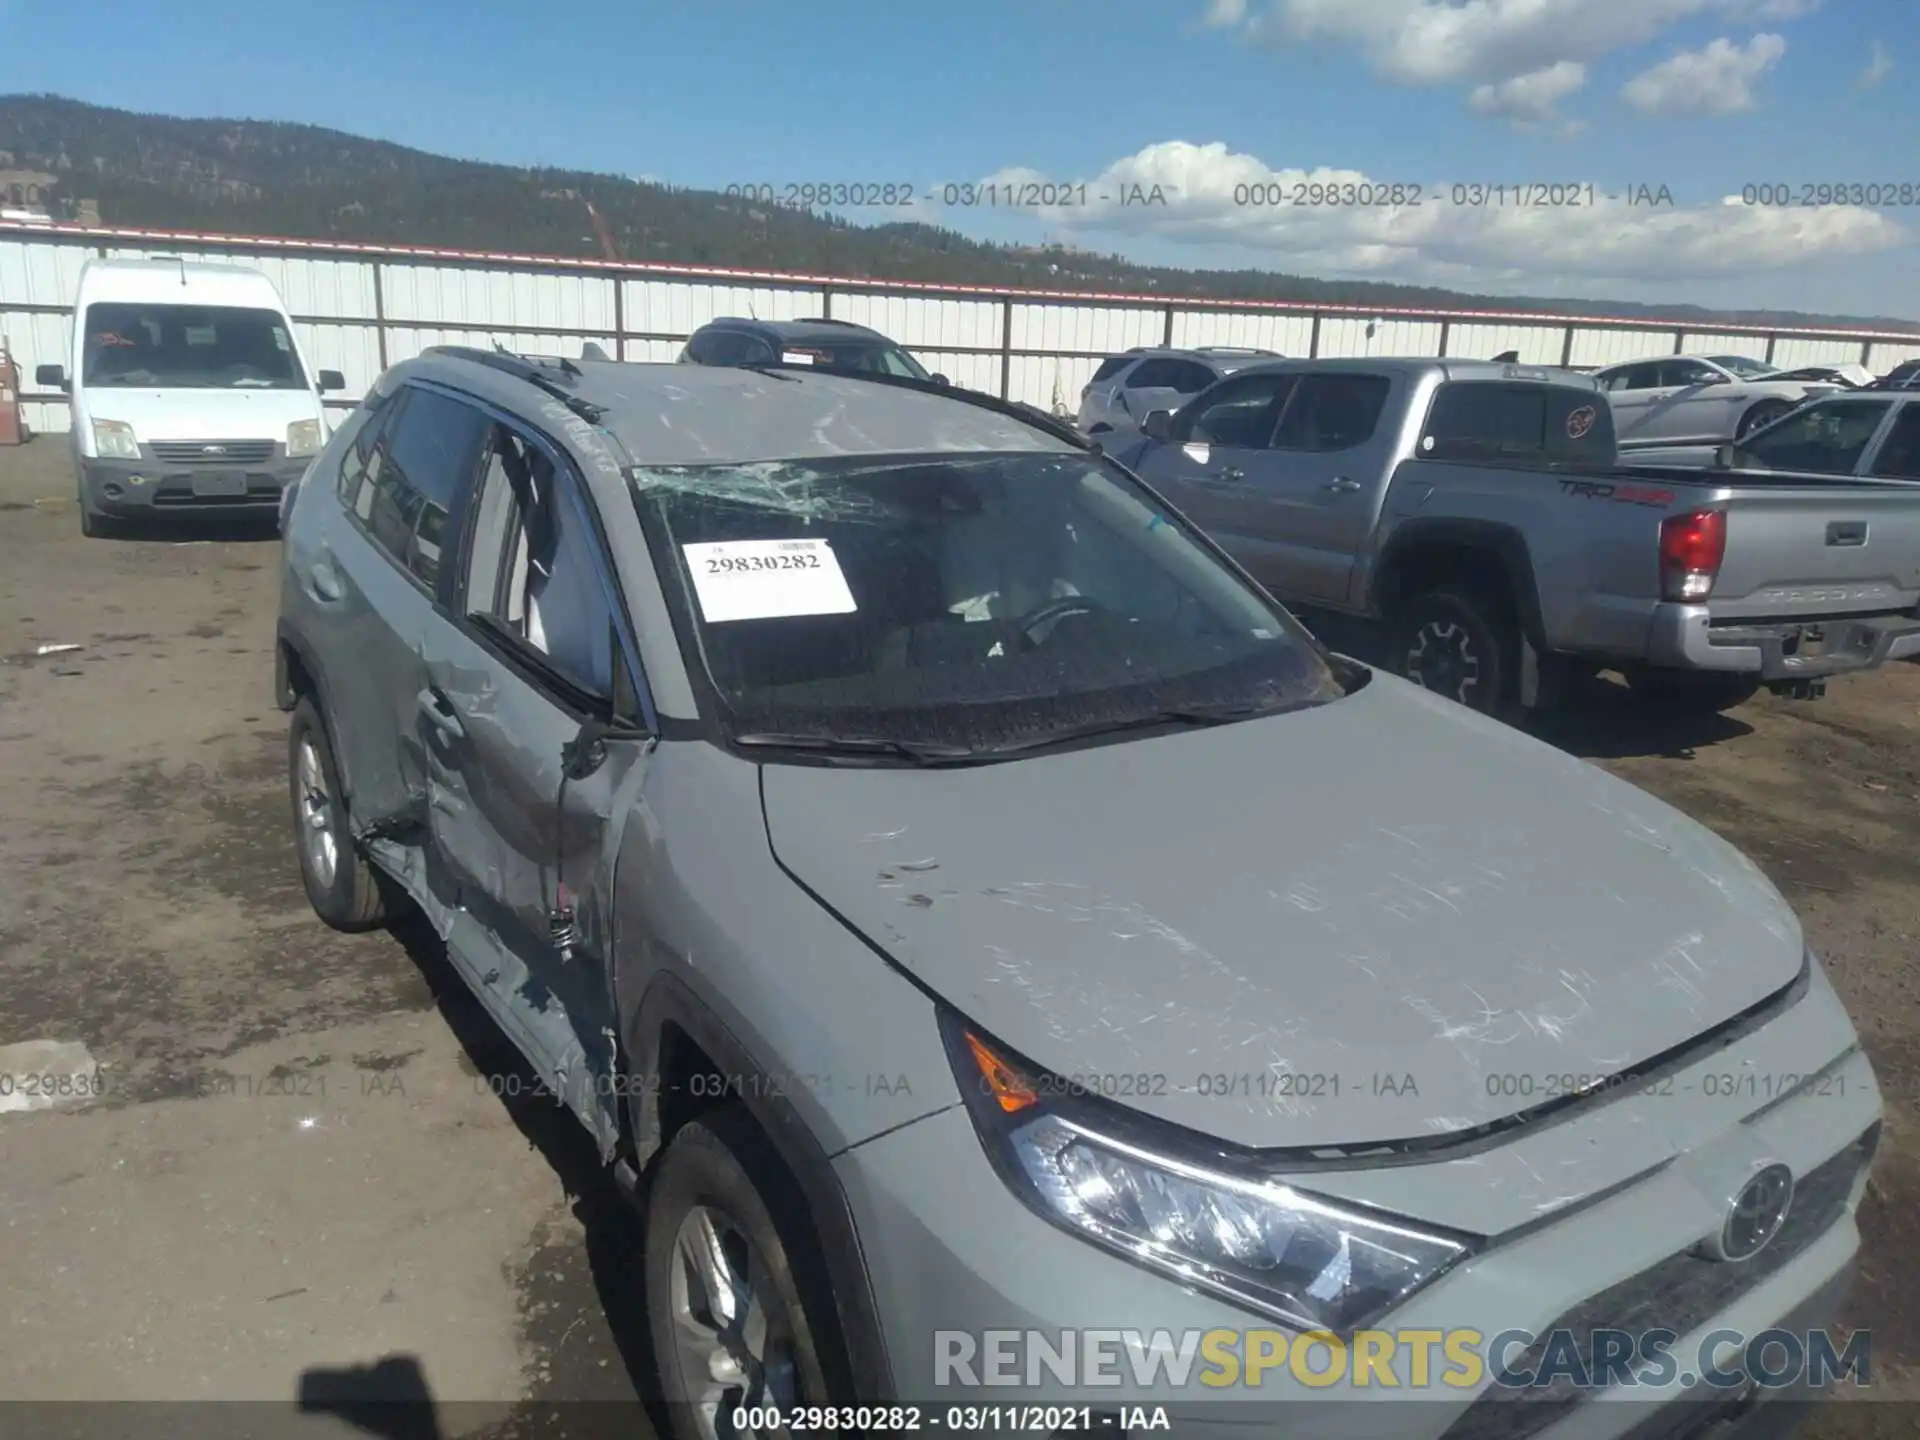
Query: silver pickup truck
[1479,509]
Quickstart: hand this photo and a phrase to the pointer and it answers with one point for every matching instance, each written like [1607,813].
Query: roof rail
[1237,350]
[821,320]
[1018,409]
[522,367]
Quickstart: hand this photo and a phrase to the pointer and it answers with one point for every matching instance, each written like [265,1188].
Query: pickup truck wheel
[1764,413]
[1684,694]
[726,1304]
[342,884]
[1460,645]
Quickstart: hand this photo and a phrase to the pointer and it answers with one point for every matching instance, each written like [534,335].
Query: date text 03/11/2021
[966,195]
[1006,1419]
[1462,195]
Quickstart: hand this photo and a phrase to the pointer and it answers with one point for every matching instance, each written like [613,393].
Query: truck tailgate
[1834,548]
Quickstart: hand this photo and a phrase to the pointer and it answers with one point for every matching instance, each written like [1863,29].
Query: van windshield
[189,347]
[972,603]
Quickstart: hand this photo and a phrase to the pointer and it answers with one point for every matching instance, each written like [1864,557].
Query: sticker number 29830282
[767,579]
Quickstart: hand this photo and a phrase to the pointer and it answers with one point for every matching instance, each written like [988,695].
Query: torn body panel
[501,825]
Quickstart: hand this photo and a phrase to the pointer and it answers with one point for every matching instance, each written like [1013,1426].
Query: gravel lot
[302,1162]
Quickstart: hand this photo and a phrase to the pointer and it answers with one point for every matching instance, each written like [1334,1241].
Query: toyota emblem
[1757,1213]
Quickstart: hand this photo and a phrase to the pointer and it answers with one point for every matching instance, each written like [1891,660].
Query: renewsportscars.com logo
[1411,1360]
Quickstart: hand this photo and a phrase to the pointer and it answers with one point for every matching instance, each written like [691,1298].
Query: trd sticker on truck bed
[1619,494]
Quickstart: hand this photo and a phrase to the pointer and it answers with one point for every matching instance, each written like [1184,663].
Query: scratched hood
[1383,919]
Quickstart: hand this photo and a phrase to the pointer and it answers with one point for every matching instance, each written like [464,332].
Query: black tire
[1460,644]
[95,526]
[722,1166]
[1683,694]
[354,896]
[1764,412]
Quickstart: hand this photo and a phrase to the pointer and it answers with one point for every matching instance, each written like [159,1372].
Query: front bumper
[951,1252]
[1681,637]
[152,487]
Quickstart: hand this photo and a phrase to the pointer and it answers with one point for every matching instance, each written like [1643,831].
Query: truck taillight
[1691,549]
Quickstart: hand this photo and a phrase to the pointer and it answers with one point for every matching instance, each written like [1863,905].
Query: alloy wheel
[733,1348]
[1444,659]
[319,844]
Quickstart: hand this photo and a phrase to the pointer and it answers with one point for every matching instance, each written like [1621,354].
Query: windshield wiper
[1195,716]
[920,752]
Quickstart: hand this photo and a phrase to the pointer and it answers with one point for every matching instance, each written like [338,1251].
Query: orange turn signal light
[1007,1086]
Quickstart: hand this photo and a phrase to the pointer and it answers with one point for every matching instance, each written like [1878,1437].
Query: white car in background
[1128,388]
[1852,377]
[1698,399]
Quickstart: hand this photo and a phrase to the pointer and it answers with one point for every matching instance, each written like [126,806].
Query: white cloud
[1435,42]
[1210,194]
[1715,81]
[1530,99]
[1878,66]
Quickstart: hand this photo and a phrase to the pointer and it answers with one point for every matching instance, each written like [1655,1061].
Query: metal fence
[360,308]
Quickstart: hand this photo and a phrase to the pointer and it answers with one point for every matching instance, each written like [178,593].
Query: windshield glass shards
[939,608]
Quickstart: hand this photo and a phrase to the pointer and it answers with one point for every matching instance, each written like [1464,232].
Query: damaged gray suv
[1025,980]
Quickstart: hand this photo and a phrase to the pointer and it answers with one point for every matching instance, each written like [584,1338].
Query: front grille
[1680,1294]
[261,490]
[230,452]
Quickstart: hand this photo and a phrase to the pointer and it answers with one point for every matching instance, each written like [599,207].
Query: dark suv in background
[838,345]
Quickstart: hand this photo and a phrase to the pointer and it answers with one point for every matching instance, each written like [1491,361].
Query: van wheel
[725,1300]
[1764,413]
[345,889]
[94,525]
[1459,644]
[1684,694]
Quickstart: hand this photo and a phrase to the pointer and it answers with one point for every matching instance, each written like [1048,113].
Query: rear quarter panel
[1591,543]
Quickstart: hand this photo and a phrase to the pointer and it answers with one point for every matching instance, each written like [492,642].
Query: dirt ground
[302,1177]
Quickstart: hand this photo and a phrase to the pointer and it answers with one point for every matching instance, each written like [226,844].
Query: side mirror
[1723,456]
[1158,425]
[53,377]
[940,379]
[332,380]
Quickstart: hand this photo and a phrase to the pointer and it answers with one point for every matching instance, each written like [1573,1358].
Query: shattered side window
[533,568]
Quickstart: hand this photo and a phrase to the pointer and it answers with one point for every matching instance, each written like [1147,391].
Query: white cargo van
[190,393]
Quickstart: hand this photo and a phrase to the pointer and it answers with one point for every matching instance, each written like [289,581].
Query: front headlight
[303,439]
[114,440]
[1155,1196]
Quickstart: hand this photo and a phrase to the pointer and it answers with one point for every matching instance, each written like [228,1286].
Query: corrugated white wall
[1593,347]
[357,311]
[1790,352]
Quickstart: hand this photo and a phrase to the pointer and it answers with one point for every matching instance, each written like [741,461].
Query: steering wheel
[1038,625]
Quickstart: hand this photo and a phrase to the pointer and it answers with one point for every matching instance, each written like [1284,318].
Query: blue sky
[1201,97]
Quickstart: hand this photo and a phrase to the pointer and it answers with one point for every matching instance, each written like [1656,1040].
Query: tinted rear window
[1110,368]
[1518,424]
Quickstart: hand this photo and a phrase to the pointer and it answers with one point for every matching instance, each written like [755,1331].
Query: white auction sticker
[796,357]
[767,579]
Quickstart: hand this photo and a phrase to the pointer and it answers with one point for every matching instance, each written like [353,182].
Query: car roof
[185,282]
[814,331]
[666,414]
[1418,366]
[1222,356]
